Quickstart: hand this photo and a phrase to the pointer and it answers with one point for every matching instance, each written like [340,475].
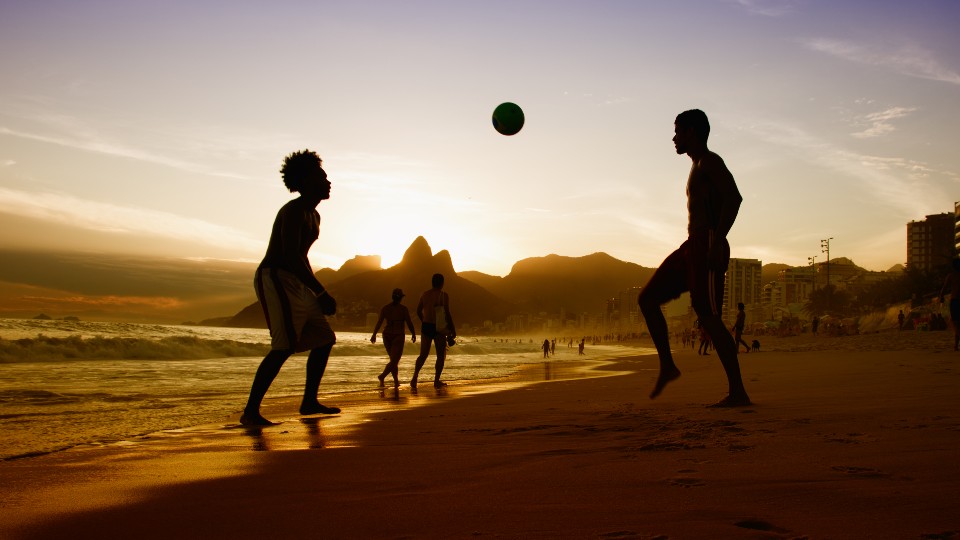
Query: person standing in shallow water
[436,327]
[396,315]
[699,264]
[294,303]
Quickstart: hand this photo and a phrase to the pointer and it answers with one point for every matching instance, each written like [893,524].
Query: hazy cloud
[910,59]
[98,216]
[880,122]
[768,8]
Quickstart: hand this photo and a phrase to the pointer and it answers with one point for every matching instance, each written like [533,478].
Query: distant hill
[538,284]
[550,284]
[770,272]
[574,284]
[364,288]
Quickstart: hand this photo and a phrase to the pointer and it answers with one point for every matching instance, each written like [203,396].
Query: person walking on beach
[901,317]
[294,303]
[738,327]
[952,283]
[546,348]
[699,264]
[396,315]
[436,327]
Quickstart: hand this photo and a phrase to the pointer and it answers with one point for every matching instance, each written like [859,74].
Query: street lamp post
[813,268]
[825,248]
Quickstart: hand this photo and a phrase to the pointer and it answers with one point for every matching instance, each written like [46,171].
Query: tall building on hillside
[931,243]
[742,284]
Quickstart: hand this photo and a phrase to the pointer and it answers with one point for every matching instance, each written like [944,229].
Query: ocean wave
[44,348]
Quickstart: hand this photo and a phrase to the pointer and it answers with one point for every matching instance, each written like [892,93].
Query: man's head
[690,128]
[740,306]
[437,281]
[302,172]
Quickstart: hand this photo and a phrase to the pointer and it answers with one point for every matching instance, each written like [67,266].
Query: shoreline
[841,443]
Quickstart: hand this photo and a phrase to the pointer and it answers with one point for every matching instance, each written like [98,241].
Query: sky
[158,128]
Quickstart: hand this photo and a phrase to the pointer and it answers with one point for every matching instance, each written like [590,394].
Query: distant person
[699,264]
[436,327]
[396,315]
[580,347]
[553,347]
[294,302]
[738,327]
[952,283]
[704,348]
[900,318]
[546,348]
[815,324]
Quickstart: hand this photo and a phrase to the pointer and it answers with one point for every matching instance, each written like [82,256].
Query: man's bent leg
[266,373]
[441,342]
[316,365]
[418,365]
[666,284]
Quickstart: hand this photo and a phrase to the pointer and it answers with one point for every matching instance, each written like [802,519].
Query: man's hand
[328,306]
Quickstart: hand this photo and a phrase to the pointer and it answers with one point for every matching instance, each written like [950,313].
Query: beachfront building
[797,284]
[622,313]
[742,283]
[931,243]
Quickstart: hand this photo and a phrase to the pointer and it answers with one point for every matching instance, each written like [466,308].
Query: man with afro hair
[294,302]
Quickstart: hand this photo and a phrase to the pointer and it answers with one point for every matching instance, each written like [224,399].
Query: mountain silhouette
[366,291]
[572,284]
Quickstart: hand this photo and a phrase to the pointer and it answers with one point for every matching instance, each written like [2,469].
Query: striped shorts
[292,312]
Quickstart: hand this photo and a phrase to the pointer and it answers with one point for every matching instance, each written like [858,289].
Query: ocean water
[64,384]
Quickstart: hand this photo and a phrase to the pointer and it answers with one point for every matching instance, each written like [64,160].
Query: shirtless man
[433,330]
[396,315]
[699,264]
[294,302]
[952,282]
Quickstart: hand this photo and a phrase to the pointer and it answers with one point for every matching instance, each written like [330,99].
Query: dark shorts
[428,331]
[955,309]
[686,269]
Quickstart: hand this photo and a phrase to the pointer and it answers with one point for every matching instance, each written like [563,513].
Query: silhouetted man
[436,326]
[952,283]
[294,302]
[699,264]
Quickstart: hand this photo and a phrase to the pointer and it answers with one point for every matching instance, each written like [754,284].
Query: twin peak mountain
[547,284]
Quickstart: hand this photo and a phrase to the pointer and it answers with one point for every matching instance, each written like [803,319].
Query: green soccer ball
[508,118]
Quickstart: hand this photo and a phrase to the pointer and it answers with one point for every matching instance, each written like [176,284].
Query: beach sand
[853,437]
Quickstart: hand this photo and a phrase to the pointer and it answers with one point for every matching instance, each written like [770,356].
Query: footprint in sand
[861,472]
[760,525]
[687,482]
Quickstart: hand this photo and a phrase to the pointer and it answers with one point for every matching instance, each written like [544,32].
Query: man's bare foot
[439,384]
[413,384]
[318,408]
[732,401]
[381,379]
[671,374]
[255,419]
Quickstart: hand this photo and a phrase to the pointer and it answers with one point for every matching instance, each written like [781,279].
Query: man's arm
[446,305]
[413,331]
[726,187]
[420,309]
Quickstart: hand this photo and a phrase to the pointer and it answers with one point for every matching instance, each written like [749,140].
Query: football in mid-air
[508,118]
